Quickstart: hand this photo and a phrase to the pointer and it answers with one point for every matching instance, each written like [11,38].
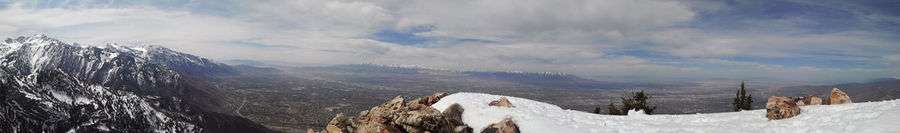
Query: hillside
[537,117]
[49,85]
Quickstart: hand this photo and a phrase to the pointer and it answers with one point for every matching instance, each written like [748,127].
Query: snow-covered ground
[538,117]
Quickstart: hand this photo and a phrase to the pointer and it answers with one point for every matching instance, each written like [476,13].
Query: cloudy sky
[645,40]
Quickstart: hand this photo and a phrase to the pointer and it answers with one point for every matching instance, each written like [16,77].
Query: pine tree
[638,101]
[613,110]
[742,100]
[633,101]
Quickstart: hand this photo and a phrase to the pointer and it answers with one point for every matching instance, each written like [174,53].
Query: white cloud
[138,23]
[351,18]
[849,46]
[201,34]
[541,20]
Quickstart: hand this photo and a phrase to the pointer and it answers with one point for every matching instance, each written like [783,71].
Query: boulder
[838,97]
[427,101]
[809,100]
[333,129]
[799,101]
[503,102]
[422,120]
[338,124]
[379,118]
[778,107]
[454,116]
[505,126]
[397,115]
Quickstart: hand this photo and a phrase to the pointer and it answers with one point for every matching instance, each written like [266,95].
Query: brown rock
[378,119]
[428,119]
[454,113]
[781,107]
[503,102]
[838,97]
[505,126]
[333,129]
[396,115]
[814,100]
[809,100]
[427,101]
[338,124]
[454,116]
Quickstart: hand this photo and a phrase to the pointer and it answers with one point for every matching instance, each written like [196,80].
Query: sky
[819,41]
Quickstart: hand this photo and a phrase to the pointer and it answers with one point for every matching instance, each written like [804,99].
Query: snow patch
[538,117]
[636,113]
[30,96]
[140,49]
[103,128]
[61,96]
[83,100]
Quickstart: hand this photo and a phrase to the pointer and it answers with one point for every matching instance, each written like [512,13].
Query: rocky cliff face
[51,86]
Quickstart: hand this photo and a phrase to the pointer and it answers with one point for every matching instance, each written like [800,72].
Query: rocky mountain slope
[52,86]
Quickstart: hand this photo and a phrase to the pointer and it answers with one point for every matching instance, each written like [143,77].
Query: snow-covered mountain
[52,86]
[538,117]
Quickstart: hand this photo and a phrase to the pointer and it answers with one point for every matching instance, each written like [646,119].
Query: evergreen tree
[742,100]
[613,110]
[638,101]
[634,101]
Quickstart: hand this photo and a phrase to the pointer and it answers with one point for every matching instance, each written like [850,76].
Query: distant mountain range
[51,86]
[364,73]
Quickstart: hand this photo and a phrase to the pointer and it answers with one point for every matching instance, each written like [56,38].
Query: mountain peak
[36,37]
[44,40]
[43,52]
[32,40]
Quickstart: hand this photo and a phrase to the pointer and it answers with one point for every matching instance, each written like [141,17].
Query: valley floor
[538,117]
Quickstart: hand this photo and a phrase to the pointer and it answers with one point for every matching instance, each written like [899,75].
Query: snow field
[538,117]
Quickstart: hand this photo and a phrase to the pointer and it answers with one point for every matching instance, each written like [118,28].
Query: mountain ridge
[54,86]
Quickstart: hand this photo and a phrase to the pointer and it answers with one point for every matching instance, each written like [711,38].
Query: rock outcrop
[809,100]
[396,115]
[505,126]
[454,116]
[838,97]
[503,102]
[779,107]
[338,124]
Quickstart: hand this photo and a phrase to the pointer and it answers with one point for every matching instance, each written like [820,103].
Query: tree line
[640,100]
